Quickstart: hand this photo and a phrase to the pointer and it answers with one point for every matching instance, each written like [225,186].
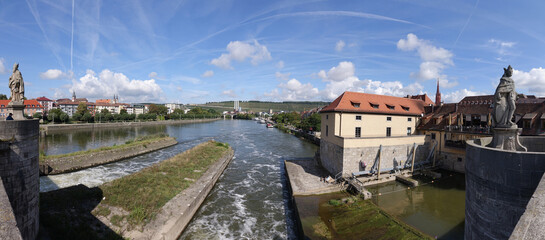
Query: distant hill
[258,106]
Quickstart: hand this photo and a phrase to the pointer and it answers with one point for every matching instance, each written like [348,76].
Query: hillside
[258,106]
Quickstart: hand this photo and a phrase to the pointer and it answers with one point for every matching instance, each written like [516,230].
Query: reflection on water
[248,201]
[436,208]
[67,141]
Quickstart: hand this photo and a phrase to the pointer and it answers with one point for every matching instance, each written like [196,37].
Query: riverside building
[358,127]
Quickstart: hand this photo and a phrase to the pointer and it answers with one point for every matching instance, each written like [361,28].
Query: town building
[173,106]
[355,127]
[47,103]
[451,124]
[31,107]
[70,106]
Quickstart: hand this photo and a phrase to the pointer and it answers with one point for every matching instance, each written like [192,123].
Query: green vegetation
[130,143]
[259,106]
[354,218]
[246,116]
[310,123]
[159,183]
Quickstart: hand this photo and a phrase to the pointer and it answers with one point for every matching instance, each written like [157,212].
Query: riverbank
[57,164]
[45,128]
[139,206]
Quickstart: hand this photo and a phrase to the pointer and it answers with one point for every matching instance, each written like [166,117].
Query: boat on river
[269,125]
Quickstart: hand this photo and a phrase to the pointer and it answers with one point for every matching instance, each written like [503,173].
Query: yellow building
[356,125]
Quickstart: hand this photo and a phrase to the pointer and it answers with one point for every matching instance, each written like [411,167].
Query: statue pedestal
[507,139]
[17,109]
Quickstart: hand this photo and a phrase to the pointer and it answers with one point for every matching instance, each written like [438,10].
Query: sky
[221,50]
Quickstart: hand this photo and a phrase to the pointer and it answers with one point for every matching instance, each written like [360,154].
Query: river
[249,200]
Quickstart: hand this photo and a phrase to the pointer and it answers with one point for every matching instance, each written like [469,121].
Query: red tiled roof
[43,99]
[345,103]
[424,97]
[28,103]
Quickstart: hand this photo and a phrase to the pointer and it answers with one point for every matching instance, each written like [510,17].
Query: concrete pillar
[19,153]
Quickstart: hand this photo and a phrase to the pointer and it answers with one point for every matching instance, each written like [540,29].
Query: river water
[249,200]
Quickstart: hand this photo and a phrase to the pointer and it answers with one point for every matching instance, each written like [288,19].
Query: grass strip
[144,193]
[129,143]
[361,219]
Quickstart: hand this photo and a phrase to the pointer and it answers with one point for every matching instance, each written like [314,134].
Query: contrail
[72,40]
[467,22]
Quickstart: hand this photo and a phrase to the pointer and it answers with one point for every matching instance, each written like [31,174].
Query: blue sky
[202,51]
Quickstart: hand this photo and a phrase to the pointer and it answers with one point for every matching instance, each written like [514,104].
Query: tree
[123,111]
[104,111]
[3,97]
[37,115]
[87,117]
[54,115]
[64,117]
[158,109]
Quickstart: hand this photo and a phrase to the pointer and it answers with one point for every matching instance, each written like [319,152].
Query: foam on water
[249,201]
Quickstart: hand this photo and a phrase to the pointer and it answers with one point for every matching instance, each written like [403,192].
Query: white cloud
[502,47]
[339,79]
[339,46]
[445,83]
[456,96]
[240,51]
[208,73]
[532,81]
[280,64]
[434,59]
[229,93]
[282,76]
[55,74]
[152,75]
[2,67]
[108,83]
[294,90]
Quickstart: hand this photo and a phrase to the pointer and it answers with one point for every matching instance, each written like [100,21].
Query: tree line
[155,113]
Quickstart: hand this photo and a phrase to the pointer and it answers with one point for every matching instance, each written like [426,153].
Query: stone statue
[16,85]
[504,101]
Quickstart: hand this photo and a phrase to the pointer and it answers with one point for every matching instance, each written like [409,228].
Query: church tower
[437,95]
[73,96]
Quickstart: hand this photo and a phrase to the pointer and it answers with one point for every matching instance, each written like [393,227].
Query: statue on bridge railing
[506,132]
[16,85]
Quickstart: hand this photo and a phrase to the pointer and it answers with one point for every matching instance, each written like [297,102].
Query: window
[358,118]
[409,119]
[326,130]
[409,131]
[433,136]
[526,124]
[388,119]
[326,116]
[391,107]
[356,104]
[358,132]
[388,131]
[459,159]
[374,105]
[405,108]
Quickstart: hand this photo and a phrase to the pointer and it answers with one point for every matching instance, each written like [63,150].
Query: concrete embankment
[178,212]
[60,127]
[86,160]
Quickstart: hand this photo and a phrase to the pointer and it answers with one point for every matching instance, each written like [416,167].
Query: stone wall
[331,157]
[452,162]
[395,155]
[335,159]
[19,173]
[499,185]
[530,225]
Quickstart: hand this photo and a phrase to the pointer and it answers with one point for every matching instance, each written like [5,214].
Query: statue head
[15,67]
[508,72]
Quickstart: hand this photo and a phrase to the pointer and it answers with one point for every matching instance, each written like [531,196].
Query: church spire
[437,95]
[73,96]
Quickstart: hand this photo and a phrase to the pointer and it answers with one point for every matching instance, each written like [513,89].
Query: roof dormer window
[374,105]
[355,104]
[405,108]
[391,107]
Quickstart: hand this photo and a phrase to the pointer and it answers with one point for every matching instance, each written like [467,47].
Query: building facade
[356,125]
[31,107]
